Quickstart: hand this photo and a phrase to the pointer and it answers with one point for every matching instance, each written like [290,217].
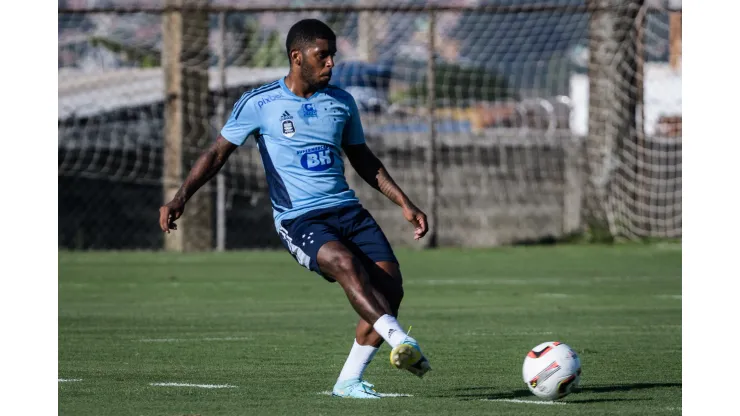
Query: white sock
[389,328]
[357,361]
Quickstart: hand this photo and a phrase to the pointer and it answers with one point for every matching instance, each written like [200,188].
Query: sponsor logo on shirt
[317,158]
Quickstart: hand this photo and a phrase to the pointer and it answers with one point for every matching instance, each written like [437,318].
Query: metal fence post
[220,118]
[432,178]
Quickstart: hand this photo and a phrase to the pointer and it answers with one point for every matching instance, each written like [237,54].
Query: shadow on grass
[483,392]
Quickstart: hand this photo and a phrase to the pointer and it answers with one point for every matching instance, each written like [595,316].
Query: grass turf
[280,334]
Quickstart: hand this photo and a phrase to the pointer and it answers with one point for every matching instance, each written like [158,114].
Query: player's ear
[296,56]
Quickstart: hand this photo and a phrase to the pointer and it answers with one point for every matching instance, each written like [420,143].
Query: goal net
[535,126]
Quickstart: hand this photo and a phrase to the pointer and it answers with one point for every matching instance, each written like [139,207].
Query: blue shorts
[352,225]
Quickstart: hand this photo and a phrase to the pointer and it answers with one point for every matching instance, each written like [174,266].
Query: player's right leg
[337,262]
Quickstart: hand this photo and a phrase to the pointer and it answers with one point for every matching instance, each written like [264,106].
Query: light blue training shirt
[300,141]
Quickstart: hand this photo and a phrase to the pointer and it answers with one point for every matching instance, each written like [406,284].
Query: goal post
[186,118]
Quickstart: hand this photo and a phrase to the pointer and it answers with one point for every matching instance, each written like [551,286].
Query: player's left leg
[368,242]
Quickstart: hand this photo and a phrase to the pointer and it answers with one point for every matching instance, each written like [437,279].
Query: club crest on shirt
[288,126]
[308,111]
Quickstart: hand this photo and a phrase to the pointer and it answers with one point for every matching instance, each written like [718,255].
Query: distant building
[662,95]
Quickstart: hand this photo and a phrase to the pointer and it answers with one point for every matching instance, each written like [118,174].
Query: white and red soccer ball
[552,370]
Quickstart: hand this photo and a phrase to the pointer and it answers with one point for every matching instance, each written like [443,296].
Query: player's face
[318,60]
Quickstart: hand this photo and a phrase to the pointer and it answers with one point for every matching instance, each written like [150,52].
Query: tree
[135,55]
[457,84]
[270,53]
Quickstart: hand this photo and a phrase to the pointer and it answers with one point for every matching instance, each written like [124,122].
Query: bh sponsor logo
[317,158]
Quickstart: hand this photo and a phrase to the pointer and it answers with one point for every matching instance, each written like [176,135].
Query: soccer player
[302,124]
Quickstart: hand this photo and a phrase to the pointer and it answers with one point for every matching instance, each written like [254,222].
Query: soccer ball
[552,370]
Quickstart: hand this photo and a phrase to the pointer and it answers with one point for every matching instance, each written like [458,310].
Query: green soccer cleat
[407,355]
[355,389]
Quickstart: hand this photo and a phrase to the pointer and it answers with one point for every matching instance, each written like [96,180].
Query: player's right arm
[205,168]
[242,123]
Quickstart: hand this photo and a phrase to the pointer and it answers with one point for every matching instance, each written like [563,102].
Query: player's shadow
[627,387]
[482,392]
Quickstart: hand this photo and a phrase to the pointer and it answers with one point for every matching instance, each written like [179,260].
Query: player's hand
[168,213]
[415,216]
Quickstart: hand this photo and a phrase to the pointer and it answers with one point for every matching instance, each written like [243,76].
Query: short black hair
[307,31]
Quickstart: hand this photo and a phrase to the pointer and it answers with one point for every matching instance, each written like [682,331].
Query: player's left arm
[372,171]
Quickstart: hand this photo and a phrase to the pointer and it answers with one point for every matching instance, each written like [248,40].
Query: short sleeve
[242,122]
[353,133]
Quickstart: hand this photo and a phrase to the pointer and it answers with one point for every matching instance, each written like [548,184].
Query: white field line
[202,386]
[195,339]
[68,380]
[328,393]
[555,295]
[553,281]
[461,281]
[676,297]
[668,246]
[524,401]
[612,329]
[510,334]
[488,281]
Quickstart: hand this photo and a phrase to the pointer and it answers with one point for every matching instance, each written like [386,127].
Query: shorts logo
[288,126]
[317,159]
[296,251]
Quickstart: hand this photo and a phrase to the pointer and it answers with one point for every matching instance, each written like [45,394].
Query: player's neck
[298,86]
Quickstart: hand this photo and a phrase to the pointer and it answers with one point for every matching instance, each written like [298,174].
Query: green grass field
[279,334]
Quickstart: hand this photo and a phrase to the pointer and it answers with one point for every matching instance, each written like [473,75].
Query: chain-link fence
[528,121]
